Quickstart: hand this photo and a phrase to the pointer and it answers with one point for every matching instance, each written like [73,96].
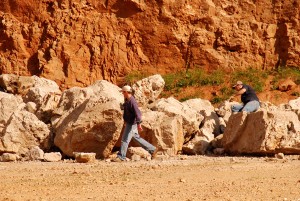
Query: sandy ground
[179,178]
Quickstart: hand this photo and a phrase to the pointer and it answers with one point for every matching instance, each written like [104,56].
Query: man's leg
[146,145]
[251,106]
[237,107]
[126,138]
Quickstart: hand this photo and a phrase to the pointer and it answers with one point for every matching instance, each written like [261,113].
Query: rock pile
[37,118]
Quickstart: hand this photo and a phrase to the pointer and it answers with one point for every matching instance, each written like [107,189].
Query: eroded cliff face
[75,42]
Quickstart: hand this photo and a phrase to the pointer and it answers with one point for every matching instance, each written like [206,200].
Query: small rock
[138,151]
[35,153]
[135,157]
[155,167]
[183,157]
[219,151]
[182,180]
[8,157]
[82,157]
[232,160]
[52,157]
[279,156]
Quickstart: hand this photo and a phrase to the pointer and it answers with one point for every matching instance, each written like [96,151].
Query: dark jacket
[249,94]
[132,114]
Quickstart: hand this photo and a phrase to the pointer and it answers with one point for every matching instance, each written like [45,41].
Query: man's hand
[231,98]
[140,127]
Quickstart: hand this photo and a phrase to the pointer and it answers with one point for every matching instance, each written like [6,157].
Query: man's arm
[240,92]
[138,114]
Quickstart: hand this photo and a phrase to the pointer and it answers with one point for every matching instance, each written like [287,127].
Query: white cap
[238,83]
[126,88]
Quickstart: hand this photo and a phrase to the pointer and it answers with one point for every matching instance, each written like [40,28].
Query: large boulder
[271,107]
[8,104]
[209,128]
[93,126]
[148,89]
[43,92]
[199,105]
[40,88]
[163,131]
[89,119]
[75,96]
[191,119]
[22,131]
[224,110]
[197,145]
[210,124]
[263,132]
[295,104]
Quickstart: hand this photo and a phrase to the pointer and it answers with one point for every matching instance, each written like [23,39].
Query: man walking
[248,97]
[133,119]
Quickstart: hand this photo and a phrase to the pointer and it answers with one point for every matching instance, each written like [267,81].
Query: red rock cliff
[76,42]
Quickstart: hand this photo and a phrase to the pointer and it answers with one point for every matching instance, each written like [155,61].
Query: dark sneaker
[117,160]
[153,154]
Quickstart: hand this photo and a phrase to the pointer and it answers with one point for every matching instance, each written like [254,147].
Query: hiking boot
[153,154]
[117,159]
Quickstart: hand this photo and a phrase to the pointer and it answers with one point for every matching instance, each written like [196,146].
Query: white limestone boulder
[224,110]
[35,153]
[197,145]
[148,89]
[199,105]
[295,104]
[191,119]
[75,96]
[93,126]
[209,128]
[8,104]
[22,131]
[269,106]
[210,124]
[89,119]
[45,94]
[163,131]
[263,132]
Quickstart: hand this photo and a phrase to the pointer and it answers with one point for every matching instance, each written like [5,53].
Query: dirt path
[179,178]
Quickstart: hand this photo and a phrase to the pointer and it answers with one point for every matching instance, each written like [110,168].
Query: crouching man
[250,101]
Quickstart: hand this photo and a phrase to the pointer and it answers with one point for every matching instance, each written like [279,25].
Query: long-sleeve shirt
[132,113]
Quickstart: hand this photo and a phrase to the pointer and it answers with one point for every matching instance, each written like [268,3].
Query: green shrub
[187,98]
[287,72]
[175,83]
[217,99]
[252,77]
[170,80]
[135,76]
